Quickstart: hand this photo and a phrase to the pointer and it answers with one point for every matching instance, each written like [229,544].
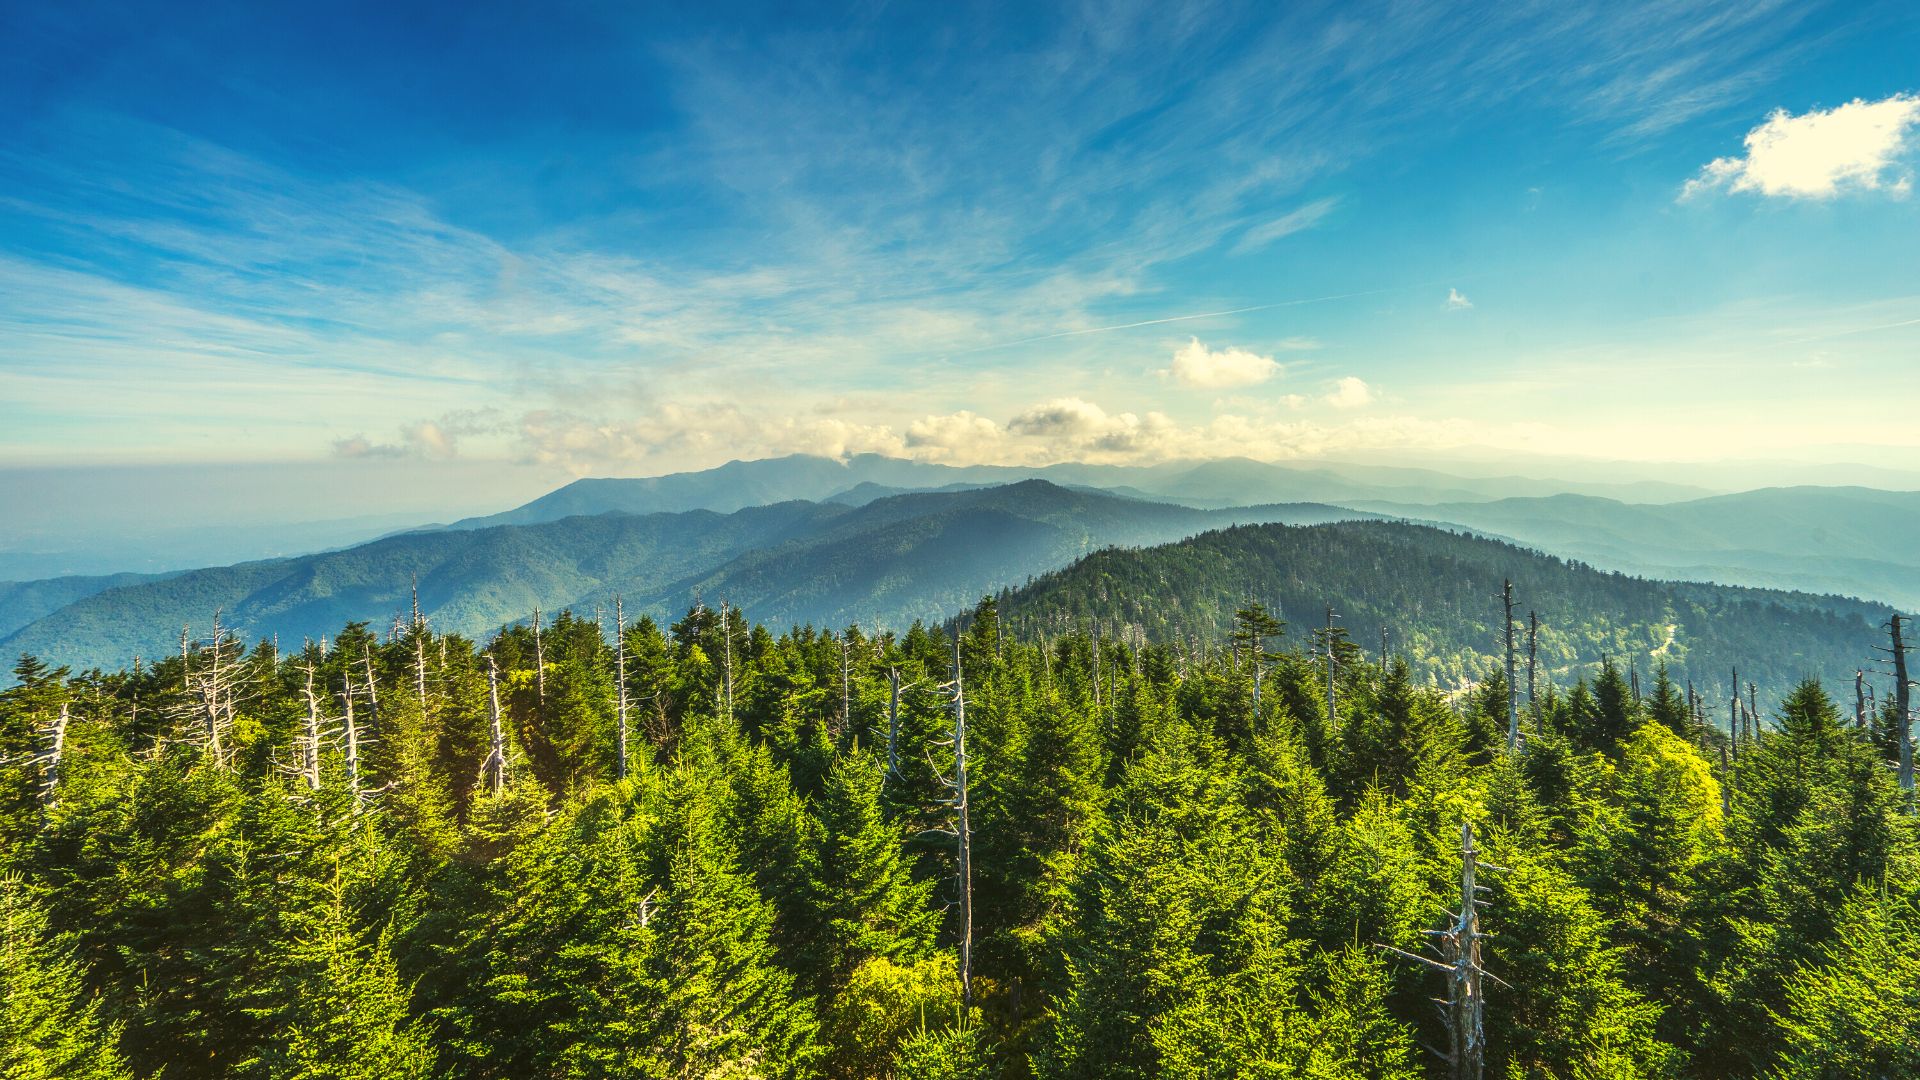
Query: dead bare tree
[893,723]
[1332,713]
[1464,1008]
[1733,739]
[1902,707]
[49,758]
[493,771]
[350,732]
[1513,687]
[726,633]
[210,690]
[309,748]
[846,685]
[962,831]
[539,662]
[373,693]
[620,683]
[1533,661]
[420,650]
[1860,699]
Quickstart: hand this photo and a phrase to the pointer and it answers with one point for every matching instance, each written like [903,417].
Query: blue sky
[628,239]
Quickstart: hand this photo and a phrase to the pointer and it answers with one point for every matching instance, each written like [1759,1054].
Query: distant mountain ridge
[892,560]
[1850,540]
[1213,483]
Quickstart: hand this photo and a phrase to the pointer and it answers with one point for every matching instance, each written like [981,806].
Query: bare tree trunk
[893,723]
[539,664]
[962,825]
[1733,739]
[373,694]
[1469,1027]
[310,742]
[1860,699]
[352,733]
[1096,670]
[1513,686]
[726,631]
[420,666]
[620,677]
[493,771]
[1533,661]
[1459,947]
[1753,712]
[1903,708]
[50,760]
[1332,714]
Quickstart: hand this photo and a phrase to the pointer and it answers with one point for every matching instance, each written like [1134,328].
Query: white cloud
[1820,154]
[1456,301]
[1196,365]
[425,438]
[1306,217]
[1350,392]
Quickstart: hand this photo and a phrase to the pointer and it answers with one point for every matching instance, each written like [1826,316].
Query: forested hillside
[889,561]
[706,850]
[1437,595]
[1854,541]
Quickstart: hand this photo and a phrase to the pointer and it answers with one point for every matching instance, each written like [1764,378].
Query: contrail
[1855,330]
[1173,319]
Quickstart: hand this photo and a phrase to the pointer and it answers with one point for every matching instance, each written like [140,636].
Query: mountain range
[882,541]
[887,561]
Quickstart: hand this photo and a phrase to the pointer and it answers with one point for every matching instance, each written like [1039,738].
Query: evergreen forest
[616,848]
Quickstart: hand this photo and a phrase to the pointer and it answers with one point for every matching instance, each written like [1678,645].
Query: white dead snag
[373,694]
[420,650]
[310,739]
[963,826]
[1459,947]
[539,663]
[1513,686]
[351,732]
[209,691]
[1902,709]
[620,682]
[1732,740]
[133,703]
[846,686]
[1096,671]
[893,723]
[420,667]
[493,771]
[726,634]
[1533,663]
[962,831]
[1333,719]
[1860,699]
[56,738]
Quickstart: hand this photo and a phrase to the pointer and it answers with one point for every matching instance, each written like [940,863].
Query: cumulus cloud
[1456,301]
[424,438]
[674,433]
[1194,364]
[672,437]
[1820,154]
[1350,392]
